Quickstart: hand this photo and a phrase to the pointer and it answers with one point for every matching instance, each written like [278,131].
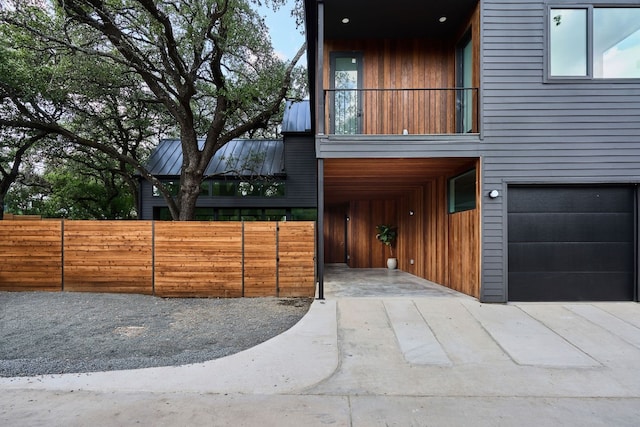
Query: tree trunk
[191,175]
[189,192]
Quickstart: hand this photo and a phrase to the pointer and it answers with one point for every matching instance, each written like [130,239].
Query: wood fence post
[242,239]
[153,257]
[62,255]
[277,259]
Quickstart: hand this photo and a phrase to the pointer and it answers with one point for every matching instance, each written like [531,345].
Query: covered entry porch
[433,202]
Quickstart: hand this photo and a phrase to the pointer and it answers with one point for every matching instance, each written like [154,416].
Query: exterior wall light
[494,194]
[345,20]
[411,213]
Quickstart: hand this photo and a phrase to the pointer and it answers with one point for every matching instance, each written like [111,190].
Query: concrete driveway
[384,348]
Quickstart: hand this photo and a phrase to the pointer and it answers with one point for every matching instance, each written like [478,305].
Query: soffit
[397,19]
[363,179]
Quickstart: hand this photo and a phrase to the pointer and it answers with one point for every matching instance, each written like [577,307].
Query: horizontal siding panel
[553,132]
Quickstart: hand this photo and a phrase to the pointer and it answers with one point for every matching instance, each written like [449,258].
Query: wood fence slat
[31,254]
[197,259]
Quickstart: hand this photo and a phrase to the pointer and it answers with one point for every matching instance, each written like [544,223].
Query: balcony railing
[401,111]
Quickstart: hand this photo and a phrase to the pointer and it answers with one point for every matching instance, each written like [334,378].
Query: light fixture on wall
[494,194]
[411,213]
[345,20]
[442,19]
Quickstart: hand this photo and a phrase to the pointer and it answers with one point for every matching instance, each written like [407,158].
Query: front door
[346,97]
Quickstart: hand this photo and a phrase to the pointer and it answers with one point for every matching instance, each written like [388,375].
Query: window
[224,188]
[464,96]
[304,214]
[594,42]
[172,186]
[346,102]
[462,192]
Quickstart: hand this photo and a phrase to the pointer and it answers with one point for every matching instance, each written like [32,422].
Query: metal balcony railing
[401,111]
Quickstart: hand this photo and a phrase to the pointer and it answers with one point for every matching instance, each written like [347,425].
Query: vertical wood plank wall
[445,248]
[335,233]
[168,259]
[31,255]
[403,64]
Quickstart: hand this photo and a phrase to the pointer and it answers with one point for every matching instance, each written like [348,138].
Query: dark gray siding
[301,189]
[301,168]
[537,132]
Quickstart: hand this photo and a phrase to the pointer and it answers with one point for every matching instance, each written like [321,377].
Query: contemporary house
[501,137]
[248,180]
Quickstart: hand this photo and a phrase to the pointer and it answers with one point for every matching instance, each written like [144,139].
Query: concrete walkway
[384,348]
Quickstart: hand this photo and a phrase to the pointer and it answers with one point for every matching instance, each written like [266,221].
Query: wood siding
[536,132]
[31,253]
[433,244]
[198,259]
[260,259]
[108,256]
[296,259]
[403,64]
[168,259]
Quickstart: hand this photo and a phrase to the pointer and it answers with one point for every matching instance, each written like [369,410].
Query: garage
[571,243]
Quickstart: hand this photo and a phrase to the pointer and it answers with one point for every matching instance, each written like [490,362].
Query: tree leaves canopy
[106,73]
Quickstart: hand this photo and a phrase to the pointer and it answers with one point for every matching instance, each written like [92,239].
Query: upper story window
[594,42]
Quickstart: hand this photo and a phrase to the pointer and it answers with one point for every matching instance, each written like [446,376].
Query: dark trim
[636,255]
[318,115]
[320,230]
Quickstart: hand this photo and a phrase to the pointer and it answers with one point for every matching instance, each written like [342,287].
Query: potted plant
[387,235]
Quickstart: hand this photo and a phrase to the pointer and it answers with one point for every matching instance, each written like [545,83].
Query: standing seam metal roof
[243,157]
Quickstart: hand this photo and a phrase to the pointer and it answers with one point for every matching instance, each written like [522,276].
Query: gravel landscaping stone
[65,332]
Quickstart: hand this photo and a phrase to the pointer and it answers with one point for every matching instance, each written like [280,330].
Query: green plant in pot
[387,234]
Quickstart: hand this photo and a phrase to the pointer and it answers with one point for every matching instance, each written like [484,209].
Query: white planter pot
[392,263]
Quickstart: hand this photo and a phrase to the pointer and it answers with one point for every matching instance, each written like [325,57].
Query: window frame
[589,7]
[451,190]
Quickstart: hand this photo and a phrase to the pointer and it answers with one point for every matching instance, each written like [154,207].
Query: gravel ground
[53,333]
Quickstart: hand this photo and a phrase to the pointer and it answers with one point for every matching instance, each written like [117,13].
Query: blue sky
[286,38]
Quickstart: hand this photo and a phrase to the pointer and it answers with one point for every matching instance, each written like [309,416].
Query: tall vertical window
[594,42]
[464,81]
[568,41]
[346,75]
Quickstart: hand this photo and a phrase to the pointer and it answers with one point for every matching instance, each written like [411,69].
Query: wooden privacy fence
[167,259]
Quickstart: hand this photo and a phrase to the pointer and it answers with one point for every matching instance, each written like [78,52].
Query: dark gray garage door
[571,243]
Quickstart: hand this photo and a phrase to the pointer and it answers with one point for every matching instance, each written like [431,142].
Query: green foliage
[69,188]
[115,76]
[386,234]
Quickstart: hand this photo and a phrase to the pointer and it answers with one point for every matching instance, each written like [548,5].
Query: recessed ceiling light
[345,20]
[442,19]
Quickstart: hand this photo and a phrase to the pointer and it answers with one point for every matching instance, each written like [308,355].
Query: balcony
[432,111]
